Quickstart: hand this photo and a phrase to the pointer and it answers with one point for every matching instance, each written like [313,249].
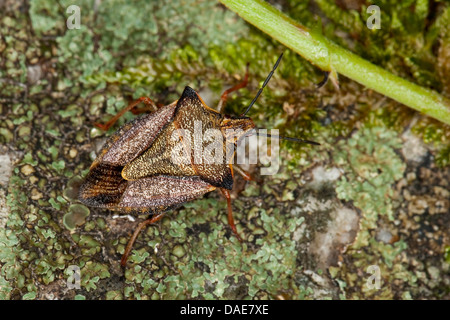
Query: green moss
[447,254]
[434,133]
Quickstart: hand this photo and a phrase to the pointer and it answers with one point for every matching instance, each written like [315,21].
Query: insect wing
[159,159]
[104,185]
[191,116]
[162,193]
[132,139]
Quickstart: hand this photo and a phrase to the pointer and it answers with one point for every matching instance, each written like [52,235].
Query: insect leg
[223,98]
[264,85]
[146,100]
[226,193]
[247,176]
[141,225]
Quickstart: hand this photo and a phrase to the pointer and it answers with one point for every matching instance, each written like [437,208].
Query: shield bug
[149,165]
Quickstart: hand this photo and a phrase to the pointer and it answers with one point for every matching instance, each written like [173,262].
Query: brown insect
[136,170]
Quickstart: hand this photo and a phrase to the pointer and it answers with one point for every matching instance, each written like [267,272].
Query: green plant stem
[330,57]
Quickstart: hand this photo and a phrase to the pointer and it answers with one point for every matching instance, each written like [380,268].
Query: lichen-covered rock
[369,199]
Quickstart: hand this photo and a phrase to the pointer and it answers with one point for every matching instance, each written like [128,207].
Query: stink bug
[136,170]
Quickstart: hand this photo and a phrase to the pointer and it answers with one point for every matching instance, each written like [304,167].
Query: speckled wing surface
[135,170]
[104,185]
[191,108]
[158,159]
[162,193]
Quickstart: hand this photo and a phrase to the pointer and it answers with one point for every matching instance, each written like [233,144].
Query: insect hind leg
[133,238]
[226,193]
[150,106]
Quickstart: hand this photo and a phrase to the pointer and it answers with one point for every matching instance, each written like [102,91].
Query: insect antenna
[264,84]
[326,75]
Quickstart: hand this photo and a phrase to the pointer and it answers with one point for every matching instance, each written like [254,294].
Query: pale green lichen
[48,123]
[371,167]
[224,262]
[76,216]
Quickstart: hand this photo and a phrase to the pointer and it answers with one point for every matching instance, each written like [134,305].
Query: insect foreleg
[240,85]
